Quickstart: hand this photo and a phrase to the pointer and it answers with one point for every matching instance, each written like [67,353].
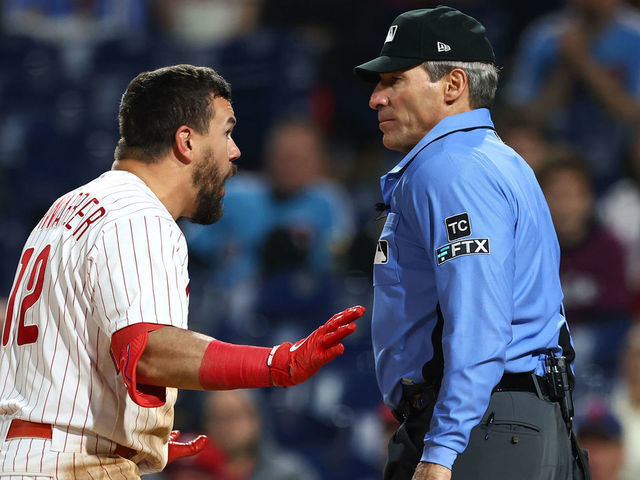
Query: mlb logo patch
[382,253]
[391,33]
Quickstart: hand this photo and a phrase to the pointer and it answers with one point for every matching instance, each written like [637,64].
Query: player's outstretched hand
[179,450]
[293,364]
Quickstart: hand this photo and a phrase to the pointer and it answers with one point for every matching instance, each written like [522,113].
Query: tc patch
[472,246]
[458,226]
[382,253]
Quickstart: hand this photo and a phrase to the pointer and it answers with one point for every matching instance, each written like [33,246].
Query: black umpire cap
[441,33]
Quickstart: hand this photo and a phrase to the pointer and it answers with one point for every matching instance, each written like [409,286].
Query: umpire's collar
[477,118]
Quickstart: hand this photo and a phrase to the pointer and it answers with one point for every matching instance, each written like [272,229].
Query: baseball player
[95,341]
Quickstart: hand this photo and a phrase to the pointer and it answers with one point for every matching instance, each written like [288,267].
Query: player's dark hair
[157,103]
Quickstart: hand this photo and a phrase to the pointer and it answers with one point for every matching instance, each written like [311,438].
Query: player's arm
[150,355]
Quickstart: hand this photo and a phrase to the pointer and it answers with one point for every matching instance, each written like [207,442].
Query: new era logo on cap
[391,33]
[443,47]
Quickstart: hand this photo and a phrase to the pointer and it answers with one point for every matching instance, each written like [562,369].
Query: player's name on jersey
[73,212]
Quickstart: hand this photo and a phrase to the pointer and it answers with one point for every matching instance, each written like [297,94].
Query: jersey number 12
[26,333]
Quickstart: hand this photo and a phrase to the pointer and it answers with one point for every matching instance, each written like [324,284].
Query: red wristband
[226,366]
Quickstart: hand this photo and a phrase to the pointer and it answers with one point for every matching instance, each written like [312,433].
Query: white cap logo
[443,47]
[391,33]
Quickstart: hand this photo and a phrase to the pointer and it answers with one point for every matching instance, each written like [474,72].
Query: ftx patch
[471,246]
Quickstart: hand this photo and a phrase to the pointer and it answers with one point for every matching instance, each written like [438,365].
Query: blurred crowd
[298,236]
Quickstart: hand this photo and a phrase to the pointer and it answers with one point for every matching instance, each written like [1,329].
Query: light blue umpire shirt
[468,238]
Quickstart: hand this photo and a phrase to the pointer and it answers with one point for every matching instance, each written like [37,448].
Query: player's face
[215,164]
[409,105]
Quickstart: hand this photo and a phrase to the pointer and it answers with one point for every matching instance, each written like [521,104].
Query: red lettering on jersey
[78,199]
[80,212]
[24,261]
[92,218]
[50,214]
[29,333]
[60,212]
[81,197]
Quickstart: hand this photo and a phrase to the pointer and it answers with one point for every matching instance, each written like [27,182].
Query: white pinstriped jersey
[105,256]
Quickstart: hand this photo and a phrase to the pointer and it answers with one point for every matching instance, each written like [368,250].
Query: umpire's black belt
[523,382]
[417,397]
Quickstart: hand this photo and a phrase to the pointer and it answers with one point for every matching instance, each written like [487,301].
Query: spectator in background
[578,75]
[626,404]
[73,21]
[619,210]
[240,449]
[599,433]
[271,69]
[523,135]
[290,218]
[199,23]
[592,272]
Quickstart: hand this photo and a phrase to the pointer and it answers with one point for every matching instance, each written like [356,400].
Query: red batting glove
[293,364]
[179,450]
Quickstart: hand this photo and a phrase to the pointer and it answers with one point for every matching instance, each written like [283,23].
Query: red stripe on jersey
[55,347]
[66,368]
[89,473]
[153,287]
[113,294]
[102,466]
[166,274]
[28,455]
[93,368]
[124,279]
[135,258]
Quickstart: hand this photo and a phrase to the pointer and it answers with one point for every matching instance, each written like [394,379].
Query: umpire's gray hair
[482,78]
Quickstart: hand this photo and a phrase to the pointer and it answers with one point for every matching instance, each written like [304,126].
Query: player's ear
[183,144]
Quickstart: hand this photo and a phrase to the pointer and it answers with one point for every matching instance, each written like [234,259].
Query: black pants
[527,440]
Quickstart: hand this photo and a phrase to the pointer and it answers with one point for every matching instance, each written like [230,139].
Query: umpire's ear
[455,85]
[183,144]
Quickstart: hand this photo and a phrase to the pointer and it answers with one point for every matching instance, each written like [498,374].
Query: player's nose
[234,151]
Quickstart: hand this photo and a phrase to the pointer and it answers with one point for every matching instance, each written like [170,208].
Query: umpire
[471,346]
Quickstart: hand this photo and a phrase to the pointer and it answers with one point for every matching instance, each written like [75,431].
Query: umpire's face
[409,105]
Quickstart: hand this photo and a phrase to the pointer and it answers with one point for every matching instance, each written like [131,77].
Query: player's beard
[209,180]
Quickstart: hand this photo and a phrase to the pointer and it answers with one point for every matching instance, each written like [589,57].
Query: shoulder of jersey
[125,195]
